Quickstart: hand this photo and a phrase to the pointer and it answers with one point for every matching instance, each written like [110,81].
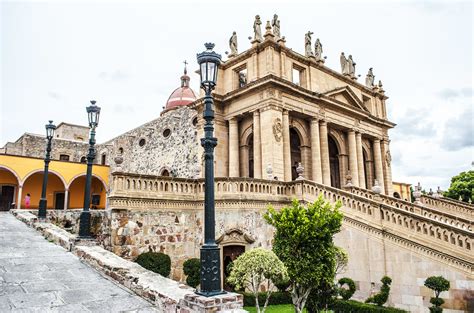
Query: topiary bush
[346,294]
[381,297]
[438,284]
[156,262]
[192,268]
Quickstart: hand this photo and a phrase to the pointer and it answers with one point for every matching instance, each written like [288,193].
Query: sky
[128,56]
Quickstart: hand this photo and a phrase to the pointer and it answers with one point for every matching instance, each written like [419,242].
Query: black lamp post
[44,201]
[210,255]
[93,112]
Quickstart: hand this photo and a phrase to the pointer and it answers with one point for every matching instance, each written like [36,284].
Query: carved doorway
[295,148]
[230,253]
[334,163]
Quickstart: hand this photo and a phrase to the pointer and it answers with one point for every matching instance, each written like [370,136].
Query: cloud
[414,123]
[54,95]
[451,94]
[117,75]
[459,131]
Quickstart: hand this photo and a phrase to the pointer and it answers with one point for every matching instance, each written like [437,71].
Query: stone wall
[167,143]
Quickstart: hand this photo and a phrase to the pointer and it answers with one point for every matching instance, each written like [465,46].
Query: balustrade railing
[421,224]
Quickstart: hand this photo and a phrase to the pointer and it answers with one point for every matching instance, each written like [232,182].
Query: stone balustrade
[461,217]
[453,206]
[430,230]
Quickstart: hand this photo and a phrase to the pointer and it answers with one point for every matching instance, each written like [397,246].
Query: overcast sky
[56,56]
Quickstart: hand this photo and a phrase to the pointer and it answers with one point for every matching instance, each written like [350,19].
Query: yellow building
[402,191]
[20,176]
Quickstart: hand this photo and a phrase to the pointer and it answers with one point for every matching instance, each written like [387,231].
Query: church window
[240,74]
[120,150]
[298,75]
[167,133]
[142,142]
[195,121]
[64,157]
[83,159]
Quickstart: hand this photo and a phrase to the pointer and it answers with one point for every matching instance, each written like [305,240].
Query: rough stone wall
[72,132]
[32,145]
[146,149]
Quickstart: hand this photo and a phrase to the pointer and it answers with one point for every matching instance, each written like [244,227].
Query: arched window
[103,159]
[396,195]
[83,159]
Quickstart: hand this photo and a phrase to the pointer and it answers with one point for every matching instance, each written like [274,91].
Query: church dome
[183,95]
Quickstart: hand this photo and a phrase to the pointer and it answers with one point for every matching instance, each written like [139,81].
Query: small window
[95,200]
[64,157]
[242,74]
[298,75]
[120,150]
[142,142]
[166,133]
[165,173]
[195,121]
[83,159]
[103,159]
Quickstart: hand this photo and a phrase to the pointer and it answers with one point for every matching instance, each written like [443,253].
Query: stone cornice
[300,58]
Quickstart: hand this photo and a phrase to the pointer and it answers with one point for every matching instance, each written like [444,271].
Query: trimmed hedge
[192,268]
[351,306]
[155,261]
[277,297]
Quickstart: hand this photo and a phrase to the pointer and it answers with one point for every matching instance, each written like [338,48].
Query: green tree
[438,284]
[304,242]
[254,268]
[462,186]
[192,268]
[381,297]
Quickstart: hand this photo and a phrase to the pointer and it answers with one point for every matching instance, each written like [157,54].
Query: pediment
[235,235]
[347,96]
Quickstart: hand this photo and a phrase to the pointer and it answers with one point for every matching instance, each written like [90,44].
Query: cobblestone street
[39,276]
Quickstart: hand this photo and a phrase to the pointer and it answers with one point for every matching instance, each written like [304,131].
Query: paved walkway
[39,276]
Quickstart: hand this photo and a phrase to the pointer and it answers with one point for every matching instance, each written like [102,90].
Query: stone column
[233,148]
[353,158]
[325,168]
[387,158]
[257,146]
[360,160]
[378,163]
[315,152]
[19,195]
[66,195]
[286,146]
[244,161]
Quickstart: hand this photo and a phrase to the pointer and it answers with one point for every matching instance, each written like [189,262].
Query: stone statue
[307,44]
[233,44]
[344,64]
[257,29]
[369,79]
[277,129]
[242,79]
[318,50]
[351,66]
[276,26]
[388,158]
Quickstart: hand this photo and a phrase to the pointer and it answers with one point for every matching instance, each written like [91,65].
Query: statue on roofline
[307,44]
[257,29]
[233,44]
[276,26]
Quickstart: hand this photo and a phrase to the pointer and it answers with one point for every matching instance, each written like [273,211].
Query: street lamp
[44,201]
[210,255]
[93,113]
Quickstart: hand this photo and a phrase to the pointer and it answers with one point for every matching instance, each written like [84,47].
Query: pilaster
[257,145]
[325,167]
[234,148]
[378,164]
[353,165]
[286,146]
[316,173]
[360,160]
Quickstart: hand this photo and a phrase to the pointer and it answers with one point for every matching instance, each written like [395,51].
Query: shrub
[155,261]
[346,294]
[352,306]
[192,268]
[322,297]
[438,284]
[381,297]
[254,268]
[277,297]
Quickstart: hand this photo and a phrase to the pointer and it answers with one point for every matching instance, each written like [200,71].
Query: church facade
[287,127]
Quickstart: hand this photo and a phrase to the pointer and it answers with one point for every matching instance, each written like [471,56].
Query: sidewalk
[39,276]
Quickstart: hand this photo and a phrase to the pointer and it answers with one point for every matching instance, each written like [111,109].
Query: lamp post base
[85,225]
[210,271]
[42,208]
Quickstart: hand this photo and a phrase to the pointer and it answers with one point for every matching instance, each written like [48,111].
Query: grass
[281,308]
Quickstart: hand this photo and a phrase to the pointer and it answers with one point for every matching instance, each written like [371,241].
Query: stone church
[287,127]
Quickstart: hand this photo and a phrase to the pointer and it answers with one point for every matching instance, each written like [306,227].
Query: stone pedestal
[228,302]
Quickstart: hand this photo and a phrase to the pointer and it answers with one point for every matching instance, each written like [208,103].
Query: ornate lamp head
[93,112]
[50,128]
[208,63]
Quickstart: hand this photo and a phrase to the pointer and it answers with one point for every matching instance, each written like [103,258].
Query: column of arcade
[320,158]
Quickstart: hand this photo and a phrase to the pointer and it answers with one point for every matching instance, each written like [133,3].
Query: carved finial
[349,179]
[300,170]
[376,188]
